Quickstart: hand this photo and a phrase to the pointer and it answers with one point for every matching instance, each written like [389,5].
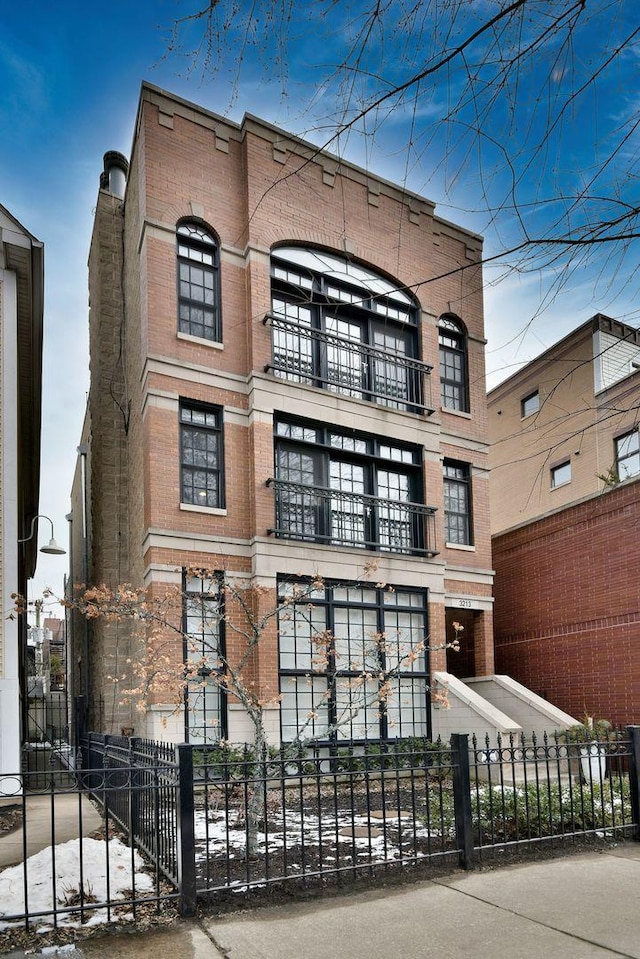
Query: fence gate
[46,732]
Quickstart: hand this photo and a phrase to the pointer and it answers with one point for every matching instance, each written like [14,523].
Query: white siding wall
[612,359]
[9,688]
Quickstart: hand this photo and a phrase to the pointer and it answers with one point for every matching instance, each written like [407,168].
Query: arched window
[454,394]
[198,283]
[340,326]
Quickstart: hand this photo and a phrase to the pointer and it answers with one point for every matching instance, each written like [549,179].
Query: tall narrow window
[453,365]
[628,454]
[203,646]
[457,503]
[198,283]
[201,473]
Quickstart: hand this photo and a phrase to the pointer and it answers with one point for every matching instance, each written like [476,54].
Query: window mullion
[382,710]
[332,706]
[373,519]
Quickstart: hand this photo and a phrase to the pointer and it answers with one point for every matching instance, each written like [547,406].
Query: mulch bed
[357,832]
[10,819]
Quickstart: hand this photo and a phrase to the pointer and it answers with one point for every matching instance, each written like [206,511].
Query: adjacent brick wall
[567,613]
[110,643]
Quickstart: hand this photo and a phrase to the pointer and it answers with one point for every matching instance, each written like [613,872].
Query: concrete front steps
[487,705]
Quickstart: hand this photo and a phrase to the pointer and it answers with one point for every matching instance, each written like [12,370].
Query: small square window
[560,475]
[530,404]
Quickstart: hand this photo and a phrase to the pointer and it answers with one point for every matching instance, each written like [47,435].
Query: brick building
[565,496]
[287,379]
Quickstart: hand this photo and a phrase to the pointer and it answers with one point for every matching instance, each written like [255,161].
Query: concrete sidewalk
[586,906]
[67,810]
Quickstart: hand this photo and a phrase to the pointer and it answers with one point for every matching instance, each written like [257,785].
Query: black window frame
[453,356]
[194,244]
[217,431]
[627,437]
[330,302]
[198,684]
[374,456]
[460,477]
[320,617]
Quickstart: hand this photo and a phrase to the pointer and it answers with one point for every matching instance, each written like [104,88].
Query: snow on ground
[362,834]
[123,866]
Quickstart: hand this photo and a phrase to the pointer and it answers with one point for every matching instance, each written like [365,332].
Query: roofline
[595,322]
[23,229]
[305,146]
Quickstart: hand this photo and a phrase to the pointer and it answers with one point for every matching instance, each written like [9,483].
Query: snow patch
[99,858]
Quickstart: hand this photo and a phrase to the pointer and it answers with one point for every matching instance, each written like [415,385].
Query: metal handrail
[318,373]
[323,515]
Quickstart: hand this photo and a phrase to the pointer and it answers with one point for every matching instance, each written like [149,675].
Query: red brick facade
[253,188]
[567,615]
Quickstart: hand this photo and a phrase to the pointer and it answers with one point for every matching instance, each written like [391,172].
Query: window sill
[461,546]
[462,413]
[211,510]
[214,344]
[560,485]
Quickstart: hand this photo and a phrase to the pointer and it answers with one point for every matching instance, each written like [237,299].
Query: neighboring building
[565,513]
[21,313]
[57,651]
[287,378]
[77,627]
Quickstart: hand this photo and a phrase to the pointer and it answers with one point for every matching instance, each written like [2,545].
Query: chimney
[114,177]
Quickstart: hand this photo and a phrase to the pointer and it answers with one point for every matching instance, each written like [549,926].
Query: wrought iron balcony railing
[318,515]
[305,355]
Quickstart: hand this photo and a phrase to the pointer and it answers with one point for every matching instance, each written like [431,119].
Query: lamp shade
[53,548]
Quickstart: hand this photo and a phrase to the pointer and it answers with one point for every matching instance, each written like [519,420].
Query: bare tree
[180,631]
[517,111]
[182,655]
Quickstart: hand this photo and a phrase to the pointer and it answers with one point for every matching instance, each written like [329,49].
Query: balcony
[319,515]
[351,367]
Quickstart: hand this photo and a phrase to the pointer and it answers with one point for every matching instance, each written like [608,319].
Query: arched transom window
[454,394]
[340,326]
[198,283]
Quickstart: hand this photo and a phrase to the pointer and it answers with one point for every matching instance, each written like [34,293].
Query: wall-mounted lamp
[53,547]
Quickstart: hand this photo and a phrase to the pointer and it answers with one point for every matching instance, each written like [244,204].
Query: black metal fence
[199,821]
[315,818]
[135,782]
[525,792]
[364,811]
[320,515]
[306,355]
[47,740]
[67,862]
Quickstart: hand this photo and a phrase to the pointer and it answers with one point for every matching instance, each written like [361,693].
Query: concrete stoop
[486,706]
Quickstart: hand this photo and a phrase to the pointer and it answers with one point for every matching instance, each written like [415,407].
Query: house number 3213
[464,603]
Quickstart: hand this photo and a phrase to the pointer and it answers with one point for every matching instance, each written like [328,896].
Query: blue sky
[70,75]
